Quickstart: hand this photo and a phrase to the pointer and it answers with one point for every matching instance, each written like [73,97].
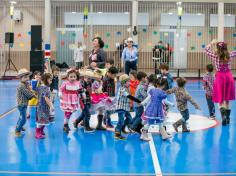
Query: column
[220,21]
[47,34]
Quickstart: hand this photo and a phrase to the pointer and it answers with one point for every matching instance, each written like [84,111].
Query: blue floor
[211,151]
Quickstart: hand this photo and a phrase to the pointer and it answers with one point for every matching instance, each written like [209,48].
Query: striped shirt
[220,66]
[23,94]
[208,80]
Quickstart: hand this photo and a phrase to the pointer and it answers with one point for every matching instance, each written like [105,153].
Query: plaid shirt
[123,101]
[182,98]
[223,67]
[208,81]
[23,94]
[87,90]
[109,86]
[141,92]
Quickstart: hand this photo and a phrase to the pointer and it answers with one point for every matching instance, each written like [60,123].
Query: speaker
[37,61]
[36,37]
[9,37]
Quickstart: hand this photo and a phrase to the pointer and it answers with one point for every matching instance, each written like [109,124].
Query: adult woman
[97,56]
[130,56]
[168,53]
[224,87]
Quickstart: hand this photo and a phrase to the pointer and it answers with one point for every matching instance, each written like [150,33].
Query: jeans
[130,65]
[85,115]
[211,106]
[122,121]
[136,121]
[185,115]
[22,119]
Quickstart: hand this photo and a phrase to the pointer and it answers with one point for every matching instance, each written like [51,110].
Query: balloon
[188,34]
[22,45]
[118,33]
[166,34]
[199,33]
[144,30]
[29,33]
[203,45]
[108,34]
[106,46]
[85,35]
[19,35]
[63,32]
[155,32]
[62,43]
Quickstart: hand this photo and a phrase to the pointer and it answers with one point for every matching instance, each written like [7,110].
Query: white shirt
[79,54]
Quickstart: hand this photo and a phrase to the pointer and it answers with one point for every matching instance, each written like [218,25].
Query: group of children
[101,92]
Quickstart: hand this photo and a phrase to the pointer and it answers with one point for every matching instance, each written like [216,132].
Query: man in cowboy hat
[23,95]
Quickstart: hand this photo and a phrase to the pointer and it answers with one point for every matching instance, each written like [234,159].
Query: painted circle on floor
[195,123]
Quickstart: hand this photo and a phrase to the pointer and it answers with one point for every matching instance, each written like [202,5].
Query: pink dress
[70,101]
[224,86]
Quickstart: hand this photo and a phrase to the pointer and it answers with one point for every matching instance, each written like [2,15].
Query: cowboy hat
[22,72]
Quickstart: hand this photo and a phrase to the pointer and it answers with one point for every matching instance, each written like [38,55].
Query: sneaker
[18,134]
[88,130]
[28,116]
[66,128]
[212,117]
[124,131]
[119,136]
[224,122]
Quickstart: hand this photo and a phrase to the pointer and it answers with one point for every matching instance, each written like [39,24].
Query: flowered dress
[43,112]
[69,93]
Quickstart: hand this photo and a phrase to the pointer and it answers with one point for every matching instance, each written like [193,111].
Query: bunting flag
[47,52]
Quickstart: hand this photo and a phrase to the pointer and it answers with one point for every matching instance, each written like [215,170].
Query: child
[123,107]
[165,74]
[141,94]
[79,55]
[109,86]
[182,98]
[45,105]
[54,87]
[154,111]
[208,81]
[109,63]
[224,86]
[23,95]
[86,100]
[69,96]
[133,86]
[35,82]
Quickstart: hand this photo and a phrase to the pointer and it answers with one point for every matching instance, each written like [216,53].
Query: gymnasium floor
[206,151]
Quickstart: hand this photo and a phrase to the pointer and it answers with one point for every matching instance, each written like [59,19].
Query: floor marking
[8,112]
[155,160]
[76,173]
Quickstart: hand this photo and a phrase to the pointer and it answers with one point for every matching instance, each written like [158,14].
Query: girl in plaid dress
[223,87]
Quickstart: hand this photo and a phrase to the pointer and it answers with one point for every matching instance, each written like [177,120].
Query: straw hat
[90,73]
[124,78]
[22,72]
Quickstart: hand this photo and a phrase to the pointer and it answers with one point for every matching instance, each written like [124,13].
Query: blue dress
[154,110]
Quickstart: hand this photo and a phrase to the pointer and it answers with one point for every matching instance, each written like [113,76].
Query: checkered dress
[219,65]
[123,102]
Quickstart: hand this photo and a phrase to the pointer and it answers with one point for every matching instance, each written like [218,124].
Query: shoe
[66,128]
[38,134]
[177,124]
[23,129]
[227,114]
[99,125]
[119,136]
[223,116]
[166,130]
[88,130]
[124,131]
[18,134]
[212,117]
[108,123]
[164,134]
[28,116]
[184,127]
[144,135]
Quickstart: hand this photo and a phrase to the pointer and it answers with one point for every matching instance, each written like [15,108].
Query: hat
[129,39]
[123,78]
[22,72]
[90,73]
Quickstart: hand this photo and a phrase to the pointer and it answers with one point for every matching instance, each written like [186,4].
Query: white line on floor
[8,112]
[155,160]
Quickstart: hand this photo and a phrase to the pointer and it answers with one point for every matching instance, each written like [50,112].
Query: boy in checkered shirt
[208,80]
